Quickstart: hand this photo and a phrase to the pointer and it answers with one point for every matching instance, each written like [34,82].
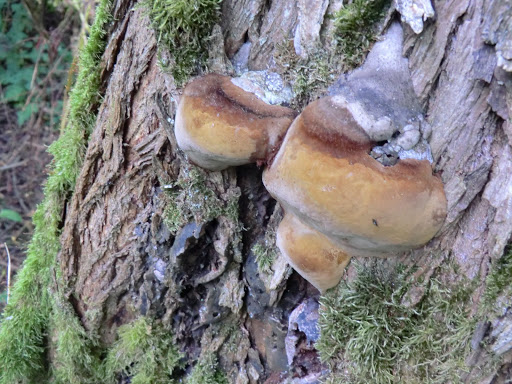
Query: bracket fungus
[314,255]
[353,173]
[325,177]
[355,167]
[219,124]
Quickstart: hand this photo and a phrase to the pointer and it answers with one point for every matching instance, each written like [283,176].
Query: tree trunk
[121,260]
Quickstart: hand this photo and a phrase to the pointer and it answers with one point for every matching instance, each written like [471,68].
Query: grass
[368,333]
[25,321]
[183,27]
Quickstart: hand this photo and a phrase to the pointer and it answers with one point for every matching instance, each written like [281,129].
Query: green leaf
[14,93]
[25,113]
[9,214]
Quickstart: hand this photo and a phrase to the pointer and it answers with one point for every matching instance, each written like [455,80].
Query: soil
[23,162]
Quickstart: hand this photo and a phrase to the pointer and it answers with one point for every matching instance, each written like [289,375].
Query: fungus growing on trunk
[310,252]
[326,180]
[219,124]
[353,174]
[356,167]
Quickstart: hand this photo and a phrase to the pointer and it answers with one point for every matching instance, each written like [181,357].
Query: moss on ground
[25,321]
[369,335]
[183,27]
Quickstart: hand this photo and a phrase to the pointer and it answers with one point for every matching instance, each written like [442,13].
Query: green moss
[77,357]
[183,27]
[207,371]
[371,336]
[264,257]
[25,321]
[265,250]
[354,31]
[355,28]
[308,76]
[145,353]
[498,280]
[190,198]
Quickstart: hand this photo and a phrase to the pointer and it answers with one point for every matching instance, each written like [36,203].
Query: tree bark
[119,260]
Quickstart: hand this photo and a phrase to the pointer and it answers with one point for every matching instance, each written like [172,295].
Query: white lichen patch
[241,59]
[267,86]
[381,99]
[415,13]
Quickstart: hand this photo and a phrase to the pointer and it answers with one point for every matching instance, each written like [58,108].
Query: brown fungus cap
[219,125]
[324,175]
[310,253]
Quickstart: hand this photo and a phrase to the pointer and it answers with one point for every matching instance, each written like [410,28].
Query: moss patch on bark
[183,27]
[369,332]
[25,321]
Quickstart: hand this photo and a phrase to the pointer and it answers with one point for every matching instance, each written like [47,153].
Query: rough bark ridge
[119,260]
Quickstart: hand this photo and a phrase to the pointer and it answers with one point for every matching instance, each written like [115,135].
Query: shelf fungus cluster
[353,171]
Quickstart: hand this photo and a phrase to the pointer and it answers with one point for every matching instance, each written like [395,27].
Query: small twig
[13,165]
[8,272]
[17,192]
[34,72]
